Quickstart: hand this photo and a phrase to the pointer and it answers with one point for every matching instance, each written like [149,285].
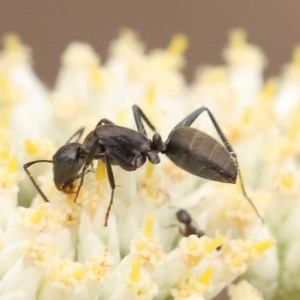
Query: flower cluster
[62,250]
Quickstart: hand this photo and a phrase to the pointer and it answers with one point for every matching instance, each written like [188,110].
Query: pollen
[135,271]
[263,246]
[296,56]
[194,249]
[101,170]
[151,94]
[147,247]
[12,42]
[237,37]
[206,276]
[191,285]
[39,253]
[12,165]
[178,44]
[218,241]
[38,215]
[31,147]
[269,90]
[149,170]
[79,272]
[99,266]
[122,114]
[236,256]
[149,226]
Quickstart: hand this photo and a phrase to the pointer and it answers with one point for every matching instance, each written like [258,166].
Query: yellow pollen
[246,118]
[95,74]
[149,226]
[12,165]
[262,246]
[294,131]
[38,216]
[150,94]
[12,42]
[149,170]
[287,180]
[101,170]
[122,116]
[30,147]
[206,277]
[178,44]
[4,153]
[296,56]
[4,117]
[136,268]
[4,86]
[269,90]
[237,37]
[218,241]
[79,272]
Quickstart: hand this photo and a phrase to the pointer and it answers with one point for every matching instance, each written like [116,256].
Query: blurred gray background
[48,26]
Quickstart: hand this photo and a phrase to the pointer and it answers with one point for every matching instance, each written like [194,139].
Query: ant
[189,148]
[184,217]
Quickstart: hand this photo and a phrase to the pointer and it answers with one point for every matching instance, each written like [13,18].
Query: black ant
[189,148]
[189,227]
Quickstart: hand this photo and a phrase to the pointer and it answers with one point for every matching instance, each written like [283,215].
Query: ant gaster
[189,148]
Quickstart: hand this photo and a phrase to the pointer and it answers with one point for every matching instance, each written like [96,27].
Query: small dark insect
[189,227]
[189,148]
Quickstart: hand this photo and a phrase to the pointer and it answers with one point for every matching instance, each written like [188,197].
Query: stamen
[207,275]
[287,180]
[122,112]
[149,170]
[269,90]
[38,216]
[237,37]
[12,42]
[31,147]
[13,165]
[101,170]
[218,241]
[150,94]
[296,56]
[149,226]
[4,153]
[4,116]
[79,272]
[136,268]
[262,246]
[178,44]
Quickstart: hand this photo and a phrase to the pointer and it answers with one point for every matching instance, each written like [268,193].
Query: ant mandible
[189,148]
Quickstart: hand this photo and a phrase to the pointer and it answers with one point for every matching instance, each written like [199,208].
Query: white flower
[62,250]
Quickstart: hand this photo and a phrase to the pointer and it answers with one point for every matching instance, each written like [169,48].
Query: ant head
[67,162]
[183,217]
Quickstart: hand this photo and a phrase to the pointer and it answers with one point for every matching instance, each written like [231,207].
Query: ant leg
[191,118]
[79,132]
[138,116]
[26,166]
[88,161]
[105,121]
[111,179]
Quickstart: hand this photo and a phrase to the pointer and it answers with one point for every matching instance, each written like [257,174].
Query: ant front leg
[186,122]
[138,116]
[26,166]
